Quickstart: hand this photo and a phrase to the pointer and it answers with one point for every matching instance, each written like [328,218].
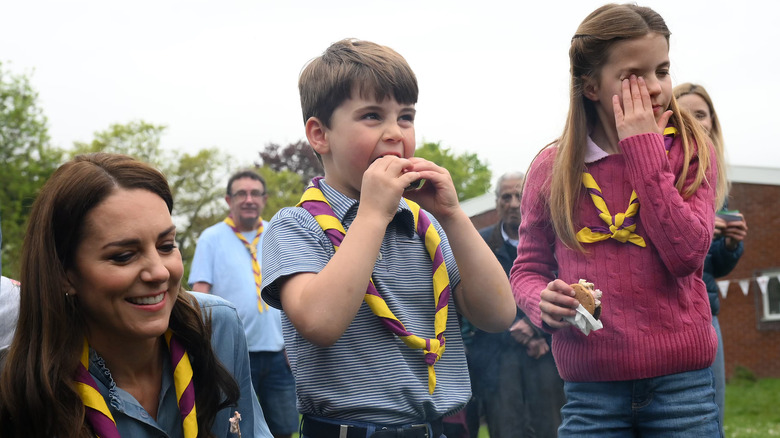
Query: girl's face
[647,57]
[127,269]
[699,108]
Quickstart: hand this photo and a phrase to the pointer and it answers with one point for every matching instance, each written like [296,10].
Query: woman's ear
[590,88]
[68,286]
[317,134]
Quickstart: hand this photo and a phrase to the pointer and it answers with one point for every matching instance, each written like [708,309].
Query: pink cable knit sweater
[655,310]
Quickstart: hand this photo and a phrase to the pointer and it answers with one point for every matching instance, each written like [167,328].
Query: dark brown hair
[353,65]
[37,392]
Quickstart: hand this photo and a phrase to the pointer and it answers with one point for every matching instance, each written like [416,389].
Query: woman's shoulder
[218,307]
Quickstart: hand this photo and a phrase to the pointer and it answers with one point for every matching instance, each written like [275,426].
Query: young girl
[624,199]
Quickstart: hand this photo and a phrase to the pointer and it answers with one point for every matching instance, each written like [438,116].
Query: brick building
[750,312]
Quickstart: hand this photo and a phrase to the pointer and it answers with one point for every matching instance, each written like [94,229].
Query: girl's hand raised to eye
[637,116]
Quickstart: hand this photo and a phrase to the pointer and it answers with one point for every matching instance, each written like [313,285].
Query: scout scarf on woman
[621,226]
[315,203]
[100,418]
[252,248]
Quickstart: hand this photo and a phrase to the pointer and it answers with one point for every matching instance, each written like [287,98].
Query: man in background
[514,379]
[226,263]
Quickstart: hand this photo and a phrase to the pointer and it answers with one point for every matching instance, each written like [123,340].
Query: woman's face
[127,269]
[697,106]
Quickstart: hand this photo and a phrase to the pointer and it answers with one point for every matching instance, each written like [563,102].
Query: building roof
[754,175]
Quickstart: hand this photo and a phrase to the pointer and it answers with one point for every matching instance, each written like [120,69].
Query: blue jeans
[675,405]
[275,387]
[719,373]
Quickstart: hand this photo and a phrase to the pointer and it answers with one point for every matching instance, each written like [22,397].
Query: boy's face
[362,130]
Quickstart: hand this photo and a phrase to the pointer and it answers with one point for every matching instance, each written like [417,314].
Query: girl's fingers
[637,86]
[617,109]
[664,120]
[628,103]
[647,103]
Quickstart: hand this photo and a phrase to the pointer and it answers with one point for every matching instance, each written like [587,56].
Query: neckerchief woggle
[100,418]
[252,248]
[621,226]
[313,200]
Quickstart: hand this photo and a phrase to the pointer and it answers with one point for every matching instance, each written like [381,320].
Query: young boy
[359,374]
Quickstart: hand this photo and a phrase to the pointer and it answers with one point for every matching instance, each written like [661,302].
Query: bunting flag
[723,285]
[744,285]
[763,283]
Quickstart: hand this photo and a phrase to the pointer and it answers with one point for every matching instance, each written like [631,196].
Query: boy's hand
[637,116]
[557,302]
[383,185]
[438,194]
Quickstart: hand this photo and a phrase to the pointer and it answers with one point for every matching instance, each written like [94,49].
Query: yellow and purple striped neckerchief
[313,200]
[100,418]
[621,226]
[252,248]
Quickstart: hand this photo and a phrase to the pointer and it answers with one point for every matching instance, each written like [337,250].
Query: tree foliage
[470,175]
[26,162]
[287,171]
[296,157]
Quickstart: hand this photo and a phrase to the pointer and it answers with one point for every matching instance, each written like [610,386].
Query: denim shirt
[229,344]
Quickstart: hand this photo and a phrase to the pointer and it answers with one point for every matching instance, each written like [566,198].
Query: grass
[752,408]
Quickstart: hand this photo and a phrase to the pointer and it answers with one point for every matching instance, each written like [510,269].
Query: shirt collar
[345,208]
[593,152]
[507,239]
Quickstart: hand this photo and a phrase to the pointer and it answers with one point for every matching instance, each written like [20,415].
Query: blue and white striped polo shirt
[369,374]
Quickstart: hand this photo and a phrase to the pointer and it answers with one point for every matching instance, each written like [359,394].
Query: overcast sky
[493,75]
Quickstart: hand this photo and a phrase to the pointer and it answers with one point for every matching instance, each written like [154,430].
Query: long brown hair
[589,51]
[37,392]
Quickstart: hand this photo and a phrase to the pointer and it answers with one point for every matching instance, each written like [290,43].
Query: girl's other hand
[557,302]
[637,115]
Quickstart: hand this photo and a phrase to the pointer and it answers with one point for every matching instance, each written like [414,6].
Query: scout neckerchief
[315,203]
[100,418]
[252,248]
[621,226]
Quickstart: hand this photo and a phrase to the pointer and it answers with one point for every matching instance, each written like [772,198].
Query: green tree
[284,189]
[137,138]
[296,157]
[287,171]
[470,175]
[26,162]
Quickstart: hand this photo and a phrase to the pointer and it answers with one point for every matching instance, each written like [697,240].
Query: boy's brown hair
[350,64]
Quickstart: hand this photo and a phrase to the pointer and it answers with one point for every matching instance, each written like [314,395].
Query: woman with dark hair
[108,343]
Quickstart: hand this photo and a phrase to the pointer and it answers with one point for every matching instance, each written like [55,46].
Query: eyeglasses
[241,195]
[507,197]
